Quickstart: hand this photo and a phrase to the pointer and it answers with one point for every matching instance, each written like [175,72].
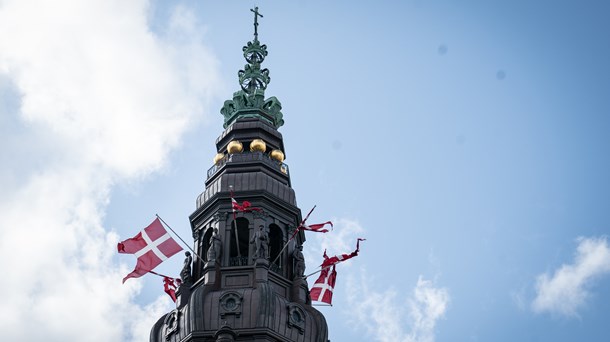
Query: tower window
[239,243]
[276,242]
[205,243]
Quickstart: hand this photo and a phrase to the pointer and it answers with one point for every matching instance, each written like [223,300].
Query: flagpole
[235,223]
[186,244]
[318,271]
[293,235]
[160,275]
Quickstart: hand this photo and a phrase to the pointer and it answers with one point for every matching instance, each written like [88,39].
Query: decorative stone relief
[172,321]
[296,317]
[230,304]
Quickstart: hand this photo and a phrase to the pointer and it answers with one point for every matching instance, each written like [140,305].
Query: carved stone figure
[299,262]
[261,243]
[215,246]
[185,274]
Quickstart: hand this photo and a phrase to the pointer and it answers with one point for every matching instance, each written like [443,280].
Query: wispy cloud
[388,317]
[92,98]
[568,288]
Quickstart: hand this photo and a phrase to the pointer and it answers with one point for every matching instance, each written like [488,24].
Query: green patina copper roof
[250,101]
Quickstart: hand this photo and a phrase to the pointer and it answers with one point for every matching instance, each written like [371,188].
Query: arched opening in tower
[276,241]
[239,243]
[205,243]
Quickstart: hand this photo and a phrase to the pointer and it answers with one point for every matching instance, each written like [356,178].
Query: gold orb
[258,145]
[235,147]
[218,157]
[277,155]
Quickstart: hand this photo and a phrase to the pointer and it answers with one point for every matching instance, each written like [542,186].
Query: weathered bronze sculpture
[215,247]
[186,274]
[299,262]
[260,239]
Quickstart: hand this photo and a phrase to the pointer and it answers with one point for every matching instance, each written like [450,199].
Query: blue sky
[466,140]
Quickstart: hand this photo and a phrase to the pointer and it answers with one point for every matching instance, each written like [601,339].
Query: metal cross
[256,15]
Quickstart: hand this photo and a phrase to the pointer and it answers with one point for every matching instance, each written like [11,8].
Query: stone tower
[244,285]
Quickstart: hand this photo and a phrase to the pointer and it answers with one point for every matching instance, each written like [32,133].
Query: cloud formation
[386,316]
[91,98]
[389,318]
[567,289]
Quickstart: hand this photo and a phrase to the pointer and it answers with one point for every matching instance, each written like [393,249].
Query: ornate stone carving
[220,216]
[171,324]
[197,233]
[296,317]
[230,304]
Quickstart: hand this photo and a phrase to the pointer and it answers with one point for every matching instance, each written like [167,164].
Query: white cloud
[385,315]
[100,100]
[389,318]
[567,289]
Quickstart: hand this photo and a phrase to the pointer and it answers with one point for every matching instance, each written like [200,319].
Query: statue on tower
[261,243]
[215,246]
[299,262]
[185,274]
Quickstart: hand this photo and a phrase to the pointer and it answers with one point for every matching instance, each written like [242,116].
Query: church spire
[249,283]
[256,15]
[252,77]
[250,100]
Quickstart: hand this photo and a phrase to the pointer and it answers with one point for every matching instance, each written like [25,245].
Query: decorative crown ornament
[249,102]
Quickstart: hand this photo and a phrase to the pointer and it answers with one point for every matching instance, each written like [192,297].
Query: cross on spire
[256,15]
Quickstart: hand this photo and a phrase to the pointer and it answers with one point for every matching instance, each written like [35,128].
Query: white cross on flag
[151,246]
[322,289]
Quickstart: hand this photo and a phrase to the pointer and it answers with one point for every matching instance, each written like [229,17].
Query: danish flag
[322,289]
[151,246]
[244,207]
[330,261]
[170,285]
[318,227]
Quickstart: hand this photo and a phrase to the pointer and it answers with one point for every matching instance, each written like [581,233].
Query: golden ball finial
[258,145]
[277,155]
[235,146]
[218,157]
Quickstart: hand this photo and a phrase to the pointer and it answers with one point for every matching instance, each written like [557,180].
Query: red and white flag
[245,207]
[322,289]
[151,246]
[329,261]
[234,205]
[318,227]
[170,285]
